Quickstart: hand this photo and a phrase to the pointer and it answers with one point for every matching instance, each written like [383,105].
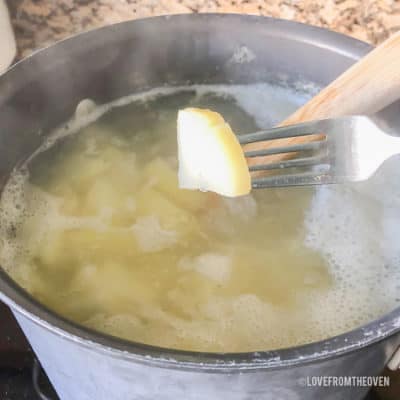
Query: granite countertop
[41,22]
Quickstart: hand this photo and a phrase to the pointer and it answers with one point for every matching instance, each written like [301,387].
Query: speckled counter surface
[41,22]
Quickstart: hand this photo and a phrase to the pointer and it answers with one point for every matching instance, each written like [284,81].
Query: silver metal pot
[43,90]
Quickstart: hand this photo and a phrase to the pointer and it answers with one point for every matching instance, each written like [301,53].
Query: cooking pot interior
[43,91]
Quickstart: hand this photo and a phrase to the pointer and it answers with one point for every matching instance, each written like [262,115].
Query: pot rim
[23,303]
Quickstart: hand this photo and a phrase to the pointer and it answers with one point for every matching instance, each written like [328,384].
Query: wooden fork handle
[366,87]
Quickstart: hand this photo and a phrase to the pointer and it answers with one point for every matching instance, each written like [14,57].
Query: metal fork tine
[306,129]
[310,146]
[296,162]
[300,179]
[336,153]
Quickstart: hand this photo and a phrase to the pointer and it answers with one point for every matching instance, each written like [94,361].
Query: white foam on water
[214,266]
[355,227]
[151,236]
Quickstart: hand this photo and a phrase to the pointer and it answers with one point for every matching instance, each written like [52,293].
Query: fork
[346,149]
[343,149]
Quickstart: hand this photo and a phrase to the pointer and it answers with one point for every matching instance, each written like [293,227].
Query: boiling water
[95,228]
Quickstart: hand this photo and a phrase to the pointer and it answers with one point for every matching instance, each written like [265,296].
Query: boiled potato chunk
[71,204]
[105,200]
[167,182]
[79,171]
[124,174]
[111,285]
[50,248]
[150,202]
[210,156]
[102,198]
[113,243]
[74,246]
